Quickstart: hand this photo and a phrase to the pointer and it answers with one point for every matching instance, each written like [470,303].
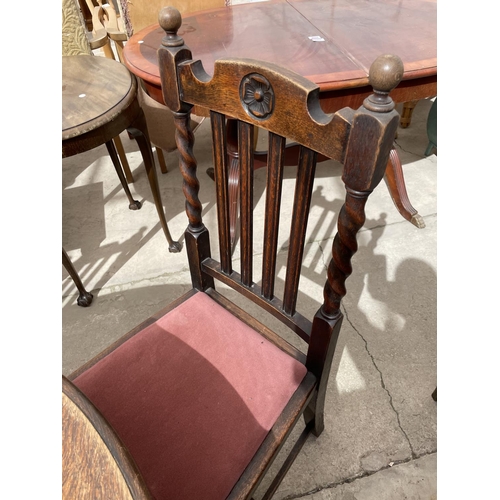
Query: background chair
[407,113]
[118,28]
[113,25]
[432,128]
[203,394]
[76,40]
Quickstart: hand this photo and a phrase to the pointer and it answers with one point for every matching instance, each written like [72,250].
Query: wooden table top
[89,469]
[95,463]
[355,32]
[94,90]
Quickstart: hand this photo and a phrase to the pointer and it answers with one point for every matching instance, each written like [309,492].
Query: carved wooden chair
[202,394]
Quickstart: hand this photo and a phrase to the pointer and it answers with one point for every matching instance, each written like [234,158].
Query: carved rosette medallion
[257,96]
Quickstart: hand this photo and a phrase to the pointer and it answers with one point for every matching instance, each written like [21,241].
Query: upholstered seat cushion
[193,396]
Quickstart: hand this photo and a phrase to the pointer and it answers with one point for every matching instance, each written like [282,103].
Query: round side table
[99,101]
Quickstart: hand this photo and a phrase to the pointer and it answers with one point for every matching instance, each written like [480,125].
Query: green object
[432,128]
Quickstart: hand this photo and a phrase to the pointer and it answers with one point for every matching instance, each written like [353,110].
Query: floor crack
[322,251]
[356,477]
[346,315]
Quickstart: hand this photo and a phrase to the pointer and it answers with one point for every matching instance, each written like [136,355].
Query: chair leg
[319,361]
[138,130]
[429,149]
[435,394]
[161,160]
[406,114]
[119,49]
[288,462]
[108,51]
[85,298]
[133,204]
[123,159]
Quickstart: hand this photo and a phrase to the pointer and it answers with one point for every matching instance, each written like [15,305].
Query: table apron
[406,91]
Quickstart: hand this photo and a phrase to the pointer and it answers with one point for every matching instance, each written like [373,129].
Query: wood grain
[87,102]
[96,464]
[89,468]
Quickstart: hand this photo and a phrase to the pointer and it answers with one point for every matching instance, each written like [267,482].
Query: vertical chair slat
[221,180]
[245,154]
[301,204]
[276,158]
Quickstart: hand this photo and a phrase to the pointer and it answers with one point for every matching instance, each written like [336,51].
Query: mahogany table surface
[355,32]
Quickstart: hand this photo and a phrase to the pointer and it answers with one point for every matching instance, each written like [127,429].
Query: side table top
[94,90]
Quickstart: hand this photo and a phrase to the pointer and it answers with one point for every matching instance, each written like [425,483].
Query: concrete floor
[380,436]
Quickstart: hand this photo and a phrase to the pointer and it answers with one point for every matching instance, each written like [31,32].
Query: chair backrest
[76,40]
[142,13]
[287,105]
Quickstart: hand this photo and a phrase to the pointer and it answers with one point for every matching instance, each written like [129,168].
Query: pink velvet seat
[192,396]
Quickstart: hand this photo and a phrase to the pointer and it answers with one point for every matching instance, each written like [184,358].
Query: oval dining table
[330,42]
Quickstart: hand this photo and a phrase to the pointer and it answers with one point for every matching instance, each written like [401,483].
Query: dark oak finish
[255,93]
[288,106]
[99,100]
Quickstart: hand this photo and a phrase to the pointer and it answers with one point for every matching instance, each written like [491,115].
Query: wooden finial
[385,74]
[170,20]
